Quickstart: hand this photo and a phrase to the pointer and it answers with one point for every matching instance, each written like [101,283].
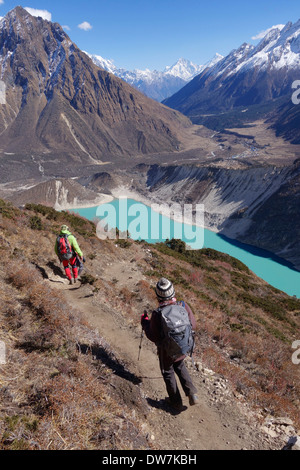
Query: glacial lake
[142,223]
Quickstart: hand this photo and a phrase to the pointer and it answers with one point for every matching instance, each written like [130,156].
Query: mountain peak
[18,10]
[23,12]
[58,102]
[18,13]
[153,83]
[32,34]
[184,69]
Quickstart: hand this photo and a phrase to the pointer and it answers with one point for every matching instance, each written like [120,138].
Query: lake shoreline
[266,265]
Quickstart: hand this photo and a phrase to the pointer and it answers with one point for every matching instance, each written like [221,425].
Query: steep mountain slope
[60,105]
[72,378]
[248,76]
[286,122]
[275,224]
[154,84]
[58,193]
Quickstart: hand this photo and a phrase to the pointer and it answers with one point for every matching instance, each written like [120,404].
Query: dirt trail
[218,422]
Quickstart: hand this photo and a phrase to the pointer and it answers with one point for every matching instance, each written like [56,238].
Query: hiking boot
[75,280]
[70,281]
[193,399]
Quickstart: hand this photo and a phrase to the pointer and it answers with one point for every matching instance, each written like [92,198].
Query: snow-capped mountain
[280,48]
[184,69]
[249,75]
[156,84]
[105,64]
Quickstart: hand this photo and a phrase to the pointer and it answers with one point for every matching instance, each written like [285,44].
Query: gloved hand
[144,317]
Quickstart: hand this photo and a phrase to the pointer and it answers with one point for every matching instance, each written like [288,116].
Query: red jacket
[153,332]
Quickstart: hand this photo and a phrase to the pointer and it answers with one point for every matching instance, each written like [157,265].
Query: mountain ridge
[248,76]
[59,104]
[155,84]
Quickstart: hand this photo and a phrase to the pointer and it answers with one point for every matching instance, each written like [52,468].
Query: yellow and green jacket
[73,243]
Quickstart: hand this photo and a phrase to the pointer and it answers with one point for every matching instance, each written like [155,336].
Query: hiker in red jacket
[153,328]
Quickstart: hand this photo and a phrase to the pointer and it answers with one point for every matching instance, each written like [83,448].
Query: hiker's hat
[164,289]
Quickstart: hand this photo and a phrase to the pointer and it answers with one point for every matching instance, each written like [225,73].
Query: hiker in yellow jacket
[67,249]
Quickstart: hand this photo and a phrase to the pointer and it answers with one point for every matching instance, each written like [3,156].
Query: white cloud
[263,33]
[85,26]
[66,27]
[1,2]
[46,15]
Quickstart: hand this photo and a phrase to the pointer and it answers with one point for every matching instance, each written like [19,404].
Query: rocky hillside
[58,193]
[63,112]
[278,214]
[72,378]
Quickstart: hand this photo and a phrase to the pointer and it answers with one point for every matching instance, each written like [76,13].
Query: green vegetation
[86,278]
[46,211]
[242,281]
[82,226]
[276,308]
[199,258]
[35,223]
[123,243]
[7,210]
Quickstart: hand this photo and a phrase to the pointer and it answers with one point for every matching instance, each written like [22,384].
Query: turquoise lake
[141,221]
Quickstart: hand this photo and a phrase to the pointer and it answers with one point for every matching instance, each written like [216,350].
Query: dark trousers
[178,368]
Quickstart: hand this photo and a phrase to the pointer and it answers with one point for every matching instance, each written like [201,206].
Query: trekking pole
[142,336]
[140,347]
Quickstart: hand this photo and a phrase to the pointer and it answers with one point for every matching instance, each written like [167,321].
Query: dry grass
[245,327]
[53,395]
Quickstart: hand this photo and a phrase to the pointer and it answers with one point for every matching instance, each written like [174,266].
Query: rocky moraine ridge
[258,205]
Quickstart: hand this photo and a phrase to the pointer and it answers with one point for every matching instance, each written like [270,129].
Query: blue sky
[139,34]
